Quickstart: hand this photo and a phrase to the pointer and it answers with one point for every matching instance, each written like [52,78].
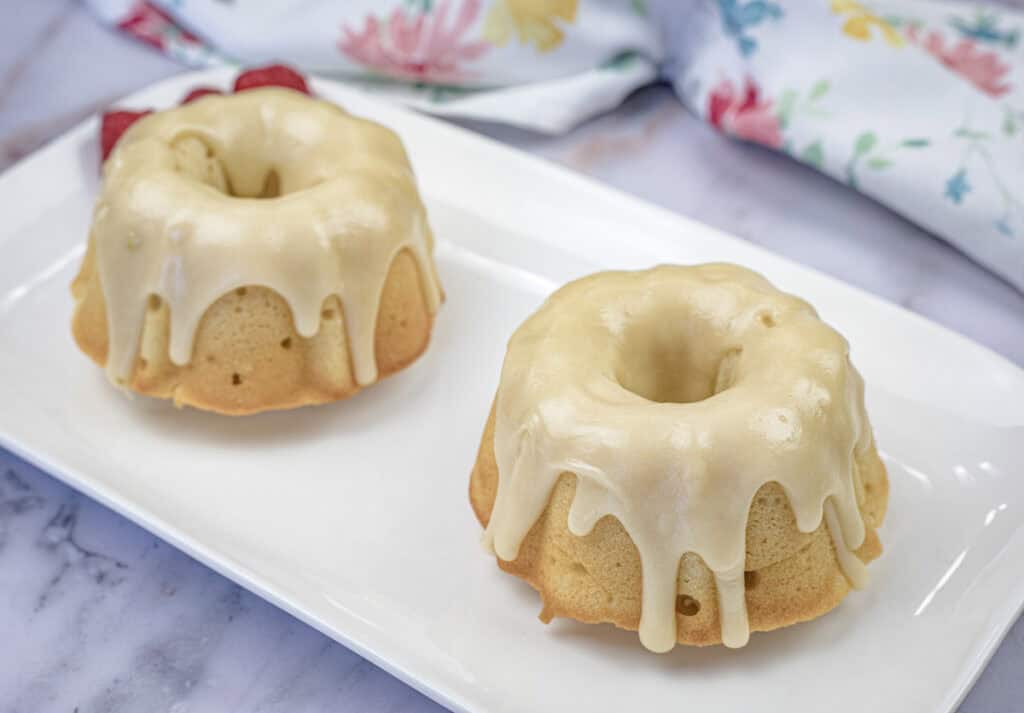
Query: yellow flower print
[533,21]
[861,20]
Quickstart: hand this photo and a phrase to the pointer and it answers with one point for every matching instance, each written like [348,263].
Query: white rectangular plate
[354,516]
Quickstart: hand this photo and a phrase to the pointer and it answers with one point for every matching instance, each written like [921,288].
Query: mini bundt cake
[262,250]
[681,451]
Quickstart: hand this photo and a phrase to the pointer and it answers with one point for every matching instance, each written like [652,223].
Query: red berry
[274,75]
[114,124]
[199,92]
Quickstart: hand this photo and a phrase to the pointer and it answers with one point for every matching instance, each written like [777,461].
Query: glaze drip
[267,187]
[741,385]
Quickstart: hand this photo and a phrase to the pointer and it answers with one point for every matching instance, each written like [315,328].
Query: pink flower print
[423,46]
[744,114]
[982,69]
[150,24]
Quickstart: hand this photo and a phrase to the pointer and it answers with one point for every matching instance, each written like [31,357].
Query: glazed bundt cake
[262,250]
[681,451]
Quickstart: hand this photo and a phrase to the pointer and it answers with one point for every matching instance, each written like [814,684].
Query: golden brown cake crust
[247,355]
[791,576]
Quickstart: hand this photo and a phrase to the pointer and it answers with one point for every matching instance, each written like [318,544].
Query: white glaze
[771,396]
[180,217]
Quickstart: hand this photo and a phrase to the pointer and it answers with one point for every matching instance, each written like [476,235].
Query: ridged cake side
[790,576]
[247,355]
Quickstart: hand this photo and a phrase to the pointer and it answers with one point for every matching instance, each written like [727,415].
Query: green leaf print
[865,142]
[440,93]
[964,133]
[819,89]
[622,60]
[639,7]
[813,155]
[1009,123]
[786,104]
[868,152]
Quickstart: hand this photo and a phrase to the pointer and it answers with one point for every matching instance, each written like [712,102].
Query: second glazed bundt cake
[681,451]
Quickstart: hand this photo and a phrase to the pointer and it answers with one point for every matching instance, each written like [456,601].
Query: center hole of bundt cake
[200,161]
[678,371]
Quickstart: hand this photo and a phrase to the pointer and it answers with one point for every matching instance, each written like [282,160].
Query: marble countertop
[98,615]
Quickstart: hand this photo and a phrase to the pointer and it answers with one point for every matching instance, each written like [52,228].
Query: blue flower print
[985,28]
[957,186]
[738,15]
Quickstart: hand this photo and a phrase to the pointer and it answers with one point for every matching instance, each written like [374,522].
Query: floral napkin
[919,104]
